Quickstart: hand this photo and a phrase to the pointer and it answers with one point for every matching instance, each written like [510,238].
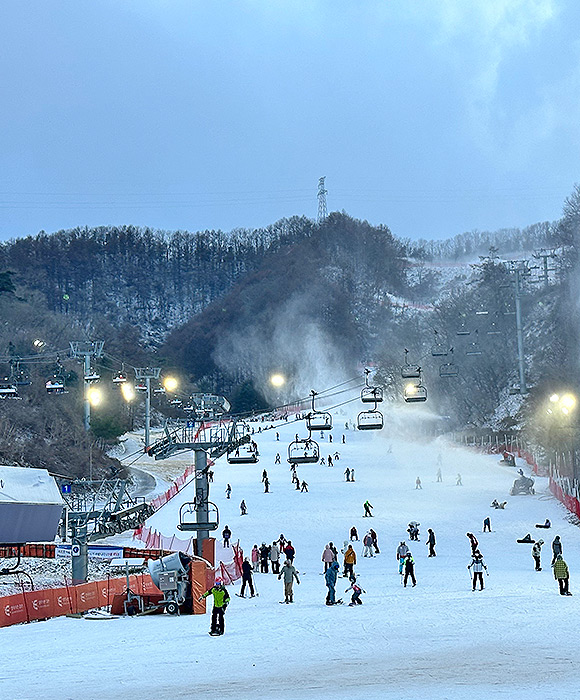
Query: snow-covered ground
[516,639]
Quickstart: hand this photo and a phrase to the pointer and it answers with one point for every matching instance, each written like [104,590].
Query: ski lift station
[30,506]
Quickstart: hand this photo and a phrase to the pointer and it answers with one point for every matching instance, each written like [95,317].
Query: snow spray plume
[288,343]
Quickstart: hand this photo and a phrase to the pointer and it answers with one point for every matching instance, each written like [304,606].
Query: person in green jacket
[221,598]
[562,575]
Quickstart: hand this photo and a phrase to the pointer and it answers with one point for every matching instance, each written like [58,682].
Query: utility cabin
[30,506]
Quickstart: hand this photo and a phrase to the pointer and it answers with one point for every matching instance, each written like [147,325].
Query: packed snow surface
[515,639]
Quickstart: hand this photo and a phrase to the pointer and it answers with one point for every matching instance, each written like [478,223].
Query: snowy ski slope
[516,639]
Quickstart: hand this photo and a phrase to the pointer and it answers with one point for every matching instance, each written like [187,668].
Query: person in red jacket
[289,551]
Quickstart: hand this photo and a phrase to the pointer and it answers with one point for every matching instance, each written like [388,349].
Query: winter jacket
[288,571]
[557,547]
[289,551]
[246,569]
[221,597]
[328,555]
[274,553]
[367,541]
[264,552]
[402,550]
[478,565]
[331,574]
[350,556]
[431,538]
[255,555]
[561,569]
[409,565]
[537,548]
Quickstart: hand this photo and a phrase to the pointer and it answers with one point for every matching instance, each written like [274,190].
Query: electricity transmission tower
[322,192]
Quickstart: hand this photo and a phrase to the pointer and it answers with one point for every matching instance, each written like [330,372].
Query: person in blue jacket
[330,577]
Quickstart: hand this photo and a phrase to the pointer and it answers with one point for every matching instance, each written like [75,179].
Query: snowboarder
[431,543]
[546,525]
[228,491]
[347,474]
[221,598]
[375,540]
[343,440]
[536,554]
[275,558]
[562,575]
[210,477]
[330,578]
[329,461]
[226,534]
[353,534]
[478,566]
[289,551]
[266,485]
[418,483]
[264,558]
[472,541]
[247,578]
[277,458]
[304,487]
[243,509]
[413,530]
[264,475]
[556,548]
[255,558]
[296,481]
[356,591]
[352,474]
[277,437]
[330,438]
[402,551]
[368,545]
[367,506]
[458,482]
[486,525]
[409,570]
[289,573]
[349,561]
[328,557]
[439,476]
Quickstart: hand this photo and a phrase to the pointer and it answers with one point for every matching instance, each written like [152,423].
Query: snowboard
[215,634]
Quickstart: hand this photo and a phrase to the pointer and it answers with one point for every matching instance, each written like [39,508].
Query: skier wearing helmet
[221,598]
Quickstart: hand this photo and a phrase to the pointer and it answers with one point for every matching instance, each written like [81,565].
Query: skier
[296,481]
[439,477]
[277,459]
[330,438]
[275,558]
[352,474]
[347,474]
[266,485]
[375,540]
[409,570]
[264,558]
[322,462]
[418,483]
[226,534]
[458,482]
[402,551]
[247,578]
[556,548]
[228,491]
[281,542]
[243,509]
[330,578]
[413,531]
[264,475]
[472,541]
[431,543]
[486,525]
[344,440]
[562,575]
[210,477]
[304,487]
[289,573]
[277,437]
[328,557]
[536,553]
[367,506]
[334,550]
[255,557]
[349,561]
[368,545]
[289,551]
[221,598]
[353,534]
[356,591]
[329,461]
[478,566]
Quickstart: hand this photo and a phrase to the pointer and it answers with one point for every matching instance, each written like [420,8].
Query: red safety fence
[47,551]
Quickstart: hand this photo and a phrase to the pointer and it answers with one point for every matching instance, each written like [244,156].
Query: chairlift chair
[438,349]
[371,394]
[409,371]
[8,390]
[370,420]
[303,451]
[244,454]
[92,376]
[119,378]
[55,385]
[414,393]
[319,420]
[448,370]
[463,330]
[474,348]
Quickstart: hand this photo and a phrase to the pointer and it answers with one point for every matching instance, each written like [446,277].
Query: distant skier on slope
[556,549]
[409,569]
[402,551]
[349,561]
[431,543]
[367,506]
[472,541]
[536,554]
[289,573]
[356,592]
[221,598]
[478,566]
[562,575]
[368,545]
[247,578]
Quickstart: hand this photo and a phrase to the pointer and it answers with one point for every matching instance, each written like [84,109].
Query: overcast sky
[433,117]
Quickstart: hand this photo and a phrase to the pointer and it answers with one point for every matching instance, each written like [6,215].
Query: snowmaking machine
[524,485]
[171,575]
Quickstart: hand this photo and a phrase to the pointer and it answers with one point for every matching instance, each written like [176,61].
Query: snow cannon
[524,485]
[171,575]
